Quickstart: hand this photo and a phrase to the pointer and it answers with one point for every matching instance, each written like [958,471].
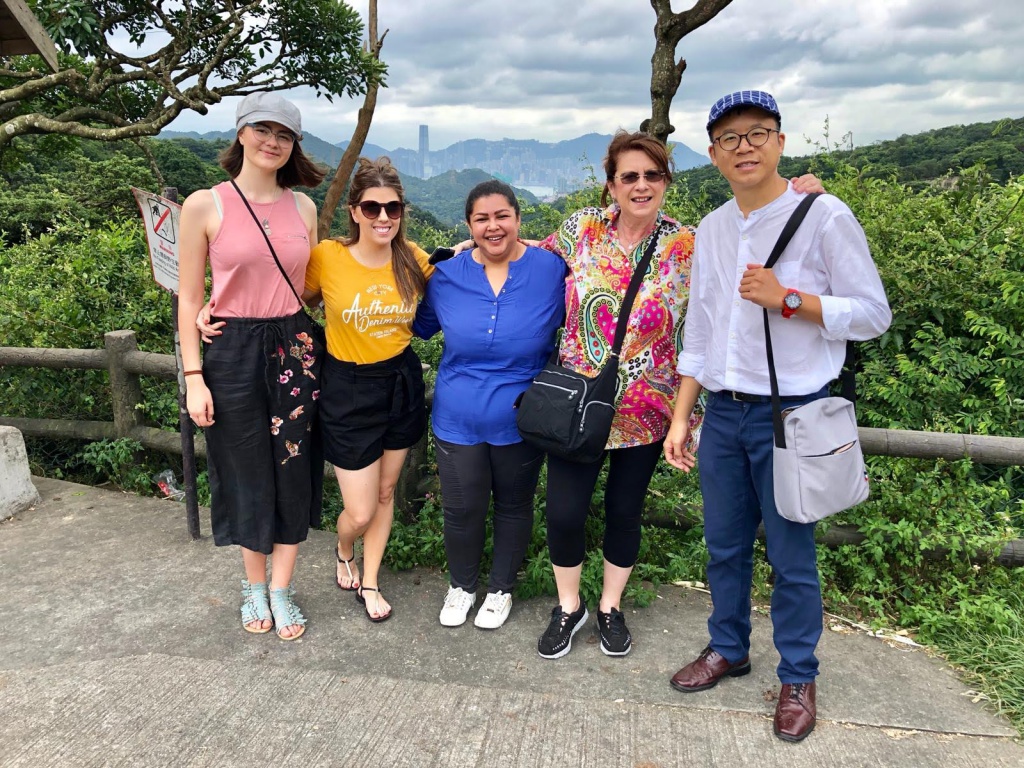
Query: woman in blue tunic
[499,306]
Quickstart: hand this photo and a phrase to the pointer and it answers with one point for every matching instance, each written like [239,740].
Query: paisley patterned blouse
[599,276]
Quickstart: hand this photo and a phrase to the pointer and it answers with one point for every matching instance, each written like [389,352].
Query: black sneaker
[557,638]
[615,638]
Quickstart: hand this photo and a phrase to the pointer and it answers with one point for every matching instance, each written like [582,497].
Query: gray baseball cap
[263,107]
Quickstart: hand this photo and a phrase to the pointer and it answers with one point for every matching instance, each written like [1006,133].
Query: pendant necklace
[266,219]
[628,246]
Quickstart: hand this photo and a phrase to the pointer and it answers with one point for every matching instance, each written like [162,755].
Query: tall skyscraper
[424,151]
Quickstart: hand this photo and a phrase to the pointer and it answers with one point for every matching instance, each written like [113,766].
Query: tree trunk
[666,72]
[355,145]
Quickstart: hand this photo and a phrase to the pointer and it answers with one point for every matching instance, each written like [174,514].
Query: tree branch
[40,85]
[37,123]
[362,129]
[666,72]
[110,94]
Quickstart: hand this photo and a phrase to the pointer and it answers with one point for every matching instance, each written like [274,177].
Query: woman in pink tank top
[256,390]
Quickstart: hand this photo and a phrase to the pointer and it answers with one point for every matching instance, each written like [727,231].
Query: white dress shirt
[723,339]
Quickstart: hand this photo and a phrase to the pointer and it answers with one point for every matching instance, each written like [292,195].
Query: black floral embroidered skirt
[264,448]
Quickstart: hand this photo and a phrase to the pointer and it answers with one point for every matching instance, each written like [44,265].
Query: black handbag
[567,414]
[315,330]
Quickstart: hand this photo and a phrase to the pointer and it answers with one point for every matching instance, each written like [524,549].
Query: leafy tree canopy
[129,67]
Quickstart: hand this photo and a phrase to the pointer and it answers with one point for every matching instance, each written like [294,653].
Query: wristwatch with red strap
[791,302]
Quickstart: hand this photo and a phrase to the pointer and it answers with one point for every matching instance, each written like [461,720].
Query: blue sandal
[286,612]
[255,607]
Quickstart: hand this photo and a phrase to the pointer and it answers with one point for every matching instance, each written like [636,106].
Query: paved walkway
[121,646]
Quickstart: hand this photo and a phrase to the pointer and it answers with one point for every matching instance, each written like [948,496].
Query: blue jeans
[735,456]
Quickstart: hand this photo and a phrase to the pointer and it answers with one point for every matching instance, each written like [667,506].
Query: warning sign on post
[161,217]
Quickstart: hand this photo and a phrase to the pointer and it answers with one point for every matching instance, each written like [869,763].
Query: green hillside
[42,175]
[916,160]
[191,164]
[48,174]
[445,195]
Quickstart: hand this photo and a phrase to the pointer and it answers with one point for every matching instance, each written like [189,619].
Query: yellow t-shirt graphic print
[367,321]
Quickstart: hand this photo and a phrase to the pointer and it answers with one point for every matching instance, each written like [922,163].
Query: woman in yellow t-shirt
[372,404]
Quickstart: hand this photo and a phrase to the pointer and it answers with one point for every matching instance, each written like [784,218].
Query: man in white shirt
[823,291]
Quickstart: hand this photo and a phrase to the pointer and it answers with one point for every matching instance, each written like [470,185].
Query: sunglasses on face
[632,177]
[371,209]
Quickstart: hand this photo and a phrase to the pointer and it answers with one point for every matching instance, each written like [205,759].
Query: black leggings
[570,487]
[469,475]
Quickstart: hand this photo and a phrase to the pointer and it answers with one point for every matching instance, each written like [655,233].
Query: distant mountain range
[545,167]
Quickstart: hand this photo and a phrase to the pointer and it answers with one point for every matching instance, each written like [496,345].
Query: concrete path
[121,646]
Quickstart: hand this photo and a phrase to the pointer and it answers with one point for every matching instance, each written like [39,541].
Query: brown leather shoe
[706,670]
[796,712]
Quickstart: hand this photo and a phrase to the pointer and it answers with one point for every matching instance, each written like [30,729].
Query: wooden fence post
[125,390]
[185,425]
[408,495]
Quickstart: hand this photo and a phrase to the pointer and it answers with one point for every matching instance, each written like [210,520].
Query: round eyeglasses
[371,209]
[263,133]
[756,137]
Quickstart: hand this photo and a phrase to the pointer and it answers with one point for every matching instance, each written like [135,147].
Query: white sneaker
[494,611]
[456,606]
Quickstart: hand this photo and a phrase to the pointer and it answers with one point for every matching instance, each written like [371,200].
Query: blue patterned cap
[759,99]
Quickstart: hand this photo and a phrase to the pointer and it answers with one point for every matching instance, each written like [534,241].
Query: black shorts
[368,409]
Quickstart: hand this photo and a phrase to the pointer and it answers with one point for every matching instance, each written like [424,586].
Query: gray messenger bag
[818,466]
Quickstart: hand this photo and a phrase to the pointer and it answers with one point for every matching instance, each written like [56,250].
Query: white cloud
[551,70]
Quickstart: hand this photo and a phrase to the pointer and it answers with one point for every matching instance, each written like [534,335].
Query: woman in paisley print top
[601,246]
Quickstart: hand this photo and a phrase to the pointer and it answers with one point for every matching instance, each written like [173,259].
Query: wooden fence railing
[121,358]
[125,364]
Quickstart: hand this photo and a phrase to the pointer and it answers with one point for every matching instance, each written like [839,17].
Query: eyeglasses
[632,177]
[371,209]
[263,133]
[756,137]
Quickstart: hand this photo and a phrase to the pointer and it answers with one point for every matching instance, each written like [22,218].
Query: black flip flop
[362,600]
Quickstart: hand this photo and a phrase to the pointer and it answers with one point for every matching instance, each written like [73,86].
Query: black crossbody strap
[302,304]
[631,292]
[795,220]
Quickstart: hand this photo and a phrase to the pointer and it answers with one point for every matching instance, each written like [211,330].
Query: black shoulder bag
[568,414]
[316,331]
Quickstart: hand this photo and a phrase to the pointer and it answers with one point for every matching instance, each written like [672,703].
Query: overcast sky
[556,69]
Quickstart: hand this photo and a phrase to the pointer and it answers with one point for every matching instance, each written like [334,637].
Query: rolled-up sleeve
[857,308]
